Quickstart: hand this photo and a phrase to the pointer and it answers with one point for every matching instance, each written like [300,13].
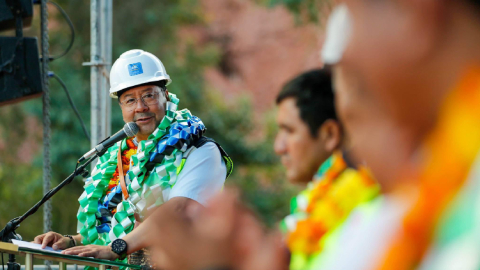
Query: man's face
[385,108]
[146,116]
[373,137]
[300,153]
[353,107]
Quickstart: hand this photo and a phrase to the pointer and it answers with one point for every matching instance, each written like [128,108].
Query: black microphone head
[131,129]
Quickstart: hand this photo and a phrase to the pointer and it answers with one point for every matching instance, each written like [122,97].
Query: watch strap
[72,240]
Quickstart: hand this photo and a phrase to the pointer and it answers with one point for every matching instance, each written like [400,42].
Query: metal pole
[100,61]
[95,78]
[29,262]
[47,175]
[106,45]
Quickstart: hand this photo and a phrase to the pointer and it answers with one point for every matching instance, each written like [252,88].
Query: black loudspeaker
[19,69]
[10,9]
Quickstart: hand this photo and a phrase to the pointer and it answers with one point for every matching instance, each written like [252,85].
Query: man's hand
[53,239]
[225,234]
[98,252]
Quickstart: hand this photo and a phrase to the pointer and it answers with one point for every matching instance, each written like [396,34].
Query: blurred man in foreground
[419,63]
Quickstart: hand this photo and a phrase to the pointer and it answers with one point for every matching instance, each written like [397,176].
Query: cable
[76,168]
[70,24]
[51,74]
[47,168]
[7,66]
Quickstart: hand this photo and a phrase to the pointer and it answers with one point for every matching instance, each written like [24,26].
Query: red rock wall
[262,48]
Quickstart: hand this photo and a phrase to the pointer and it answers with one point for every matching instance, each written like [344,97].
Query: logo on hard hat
[135,69]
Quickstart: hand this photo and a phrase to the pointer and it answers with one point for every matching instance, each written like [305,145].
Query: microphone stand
[8,233]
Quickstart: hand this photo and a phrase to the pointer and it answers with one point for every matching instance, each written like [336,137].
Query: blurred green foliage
[151,26]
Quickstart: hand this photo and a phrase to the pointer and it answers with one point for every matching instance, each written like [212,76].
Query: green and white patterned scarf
[145,188]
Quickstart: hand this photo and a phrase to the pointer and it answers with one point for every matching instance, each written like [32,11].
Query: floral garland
[450,151]
[166,145]
[324,205]
[126,155]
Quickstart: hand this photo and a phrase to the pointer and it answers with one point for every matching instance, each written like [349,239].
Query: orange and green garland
[126,155]
[323,206]
[448,153]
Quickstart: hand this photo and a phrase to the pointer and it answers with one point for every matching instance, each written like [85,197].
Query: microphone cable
[60,81]
[70,24]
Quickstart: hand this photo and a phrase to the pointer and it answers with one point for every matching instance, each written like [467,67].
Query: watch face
[119,246]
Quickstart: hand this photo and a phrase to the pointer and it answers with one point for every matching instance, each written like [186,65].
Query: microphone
[129,130]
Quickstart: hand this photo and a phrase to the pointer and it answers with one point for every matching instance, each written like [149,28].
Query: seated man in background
[168,164]
[309,131]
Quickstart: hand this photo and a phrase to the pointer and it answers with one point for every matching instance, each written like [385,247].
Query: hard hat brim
[141,81]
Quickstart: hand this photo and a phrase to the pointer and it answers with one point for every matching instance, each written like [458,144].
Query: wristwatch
[72,240]
[119,246]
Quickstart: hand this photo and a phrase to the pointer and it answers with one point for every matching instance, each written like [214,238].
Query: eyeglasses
[148,99]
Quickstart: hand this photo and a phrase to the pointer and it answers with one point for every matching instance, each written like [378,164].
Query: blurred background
[228,59]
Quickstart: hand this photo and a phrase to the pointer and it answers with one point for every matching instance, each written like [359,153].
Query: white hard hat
[136,67]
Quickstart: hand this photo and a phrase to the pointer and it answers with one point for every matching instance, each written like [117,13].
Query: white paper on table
[39,247]
[35,246]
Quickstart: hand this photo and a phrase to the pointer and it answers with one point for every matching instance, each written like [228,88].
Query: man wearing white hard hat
[169,164]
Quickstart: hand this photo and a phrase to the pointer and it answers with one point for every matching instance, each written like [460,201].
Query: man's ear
[330,133]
